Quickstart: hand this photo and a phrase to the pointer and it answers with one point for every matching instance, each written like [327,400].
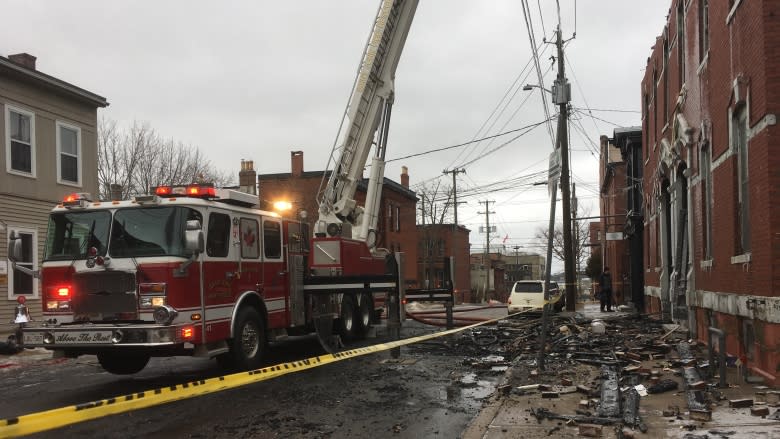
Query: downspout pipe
[721,355]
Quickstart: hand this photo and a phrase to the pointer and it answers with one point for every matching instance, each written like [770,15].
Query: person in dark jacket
[605,281]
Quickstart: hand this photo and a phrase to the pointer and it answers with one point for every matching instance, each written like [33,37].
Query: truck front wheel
[121,363]
[248,344]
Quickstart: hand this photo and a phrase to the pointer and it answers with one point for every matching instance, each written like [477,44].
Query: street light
[529,87]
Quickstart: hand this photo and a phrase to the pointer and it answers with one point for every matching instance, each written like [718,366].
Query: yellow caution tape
[60,417]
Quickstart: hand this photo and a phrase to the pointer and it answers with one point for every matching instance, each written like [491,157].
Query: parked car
[529,294]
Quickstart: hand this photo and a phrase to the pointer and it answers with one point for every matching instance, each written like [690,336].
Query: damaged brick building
[711,214]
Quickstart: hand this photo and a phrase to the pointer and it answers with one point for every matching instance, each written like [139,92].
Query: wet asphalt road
[428,394]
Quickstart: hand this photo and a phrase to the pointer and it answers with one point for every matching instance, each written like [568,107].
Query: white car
[529,294]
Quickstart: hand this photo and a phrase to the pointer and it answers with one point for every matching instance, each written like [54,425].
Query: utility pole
[487,213]
[576,248]
[454,172]
[517,262]
[561,96]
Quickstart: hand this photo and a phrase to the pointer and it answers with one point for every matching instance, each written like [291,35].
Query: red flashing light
[187,333]
[70,198]
[198,190]
[63,292]
[205,190]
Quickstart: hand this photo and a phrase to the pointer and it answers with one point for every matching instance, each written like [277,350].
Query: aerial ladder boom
[367,122]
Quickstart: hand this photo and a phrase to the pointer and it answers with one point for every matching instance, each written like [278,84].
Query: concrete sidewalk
[508,413]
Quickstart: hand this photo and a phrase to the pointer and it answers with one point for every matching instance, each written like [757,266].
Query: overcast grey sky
[255,80]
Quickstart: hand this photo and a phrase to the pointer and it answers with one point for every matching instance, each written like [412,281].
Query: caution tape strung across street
[60,417]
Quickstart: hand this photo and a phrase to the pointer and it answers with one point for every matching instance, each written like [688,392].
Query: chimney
[405,177]
[296,163]
[247,177]
[23,59]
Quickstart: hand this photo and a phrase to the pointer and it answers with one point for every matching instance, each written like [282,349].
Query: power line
[610,110]
[527,129]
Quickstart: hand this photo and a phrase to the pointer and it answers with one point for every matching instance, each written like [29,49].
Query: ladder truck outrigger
[200,271]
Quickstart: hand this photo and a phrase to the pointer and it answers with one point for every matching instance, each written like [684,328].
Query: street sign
[614,236]
[554,170]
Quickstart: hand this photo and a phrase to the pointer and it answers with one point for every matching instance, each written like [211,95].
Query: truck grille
[104,295]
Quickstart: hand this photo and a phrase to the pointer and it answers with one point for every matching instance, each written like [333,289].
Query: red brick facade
[437,244]
[397,222]
[612,208]
[710,98]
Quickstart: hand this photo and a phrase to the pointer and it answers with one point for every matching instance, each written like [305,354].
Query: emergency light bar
[200,190]
[79,199]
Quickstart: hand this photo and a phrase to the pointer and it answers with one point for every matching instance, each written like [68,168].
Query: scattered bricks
[772,397]
[595,402]
[549,395]
[633,356]
[505,389]
[567,390]
[627,433]
[643,371]
[700,415]
[759,411]
[740,403]
[669,413]
[566,381]
[590,430]
[571,423]
[584,389]
[631,369]
[584,404]
[534,373]
[544,387]
[698,385]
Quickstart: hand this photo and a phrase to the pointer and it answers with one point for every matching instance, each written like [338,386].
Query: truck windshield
[71,234]
[150,232]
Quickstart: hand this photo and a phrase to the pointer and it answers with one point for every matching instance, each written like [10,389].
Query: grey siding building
[48,149]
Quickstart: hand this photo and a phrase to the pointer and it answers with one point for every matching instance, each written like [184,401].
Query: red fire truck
[194,270]
[188,271]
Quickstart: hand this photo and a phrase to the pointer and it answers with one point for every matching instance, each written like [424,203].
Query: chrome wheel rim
[250,340]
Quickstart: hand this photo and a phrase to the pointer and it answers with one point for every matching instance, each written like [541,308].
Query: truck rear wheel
[364,312]
[348,317]
[121,363]
[247,348]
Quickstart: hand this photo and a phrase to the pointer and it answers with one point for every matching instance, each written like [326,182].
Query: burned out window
[272,239]
[218,235]
[250,239]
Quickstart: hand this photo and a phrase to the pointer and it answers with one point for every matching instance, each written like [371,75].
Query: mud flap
[323,324]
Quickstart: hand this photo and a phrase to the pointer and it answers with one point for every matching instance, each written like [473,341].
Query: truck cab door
[275,274]
[219,274]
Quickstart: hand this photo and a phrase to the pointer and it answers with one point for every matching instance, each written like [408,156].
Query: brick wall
[742,65]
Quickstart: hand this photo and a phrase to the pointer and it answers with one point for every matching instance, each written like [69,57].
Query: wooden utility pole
[454,172]
[487,213]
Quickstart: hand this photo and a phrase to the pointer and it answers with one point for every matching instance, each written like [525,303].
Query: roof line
[98,100]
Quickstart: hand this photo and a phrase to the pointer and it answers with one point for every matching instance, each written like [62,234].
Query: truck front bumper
[65,336]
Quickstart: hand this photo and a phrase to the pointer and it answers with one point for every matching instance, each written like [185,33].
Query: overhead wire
[540,77]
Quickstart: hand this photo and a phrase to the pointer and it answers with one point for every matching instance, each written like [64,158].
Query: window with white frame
[68,154]
[20,141]
[20,283]
[739,138]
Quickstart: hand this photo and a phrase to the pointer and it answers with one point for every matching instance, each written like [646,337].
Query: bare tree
[580,233]
[138,159]
[436,200]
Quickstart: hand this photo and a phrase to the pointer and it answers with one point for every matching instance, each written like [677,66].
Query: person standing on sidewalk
[605,281]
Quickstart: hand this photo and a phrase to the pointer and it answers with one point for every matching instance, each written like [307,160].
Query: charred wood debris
[629,356]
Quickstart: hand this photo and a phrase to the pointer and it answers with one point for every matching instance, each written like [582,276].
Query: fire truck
[201,271]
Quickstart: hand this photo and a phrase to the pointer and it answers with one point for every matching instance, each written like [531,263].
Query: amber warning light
[201,190]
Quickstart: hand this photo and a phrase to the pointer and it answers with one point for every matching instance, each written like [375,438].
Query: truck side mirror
[14,246]
[194,241]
